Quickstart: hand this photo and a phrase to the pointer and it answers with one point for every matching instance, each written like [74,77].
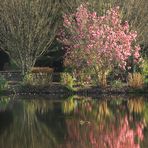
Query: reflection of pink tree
[103,136]
[121,137]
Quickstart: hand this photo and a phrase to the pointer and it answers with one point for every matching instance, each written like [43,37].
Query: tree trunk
[103,81]
[102,78]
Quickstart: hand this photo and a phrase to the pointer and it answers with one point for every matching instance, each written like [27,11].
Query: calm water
[109,122]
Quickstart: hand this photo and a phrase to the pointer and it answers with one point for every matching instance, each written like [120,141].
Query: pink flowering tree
[98,43]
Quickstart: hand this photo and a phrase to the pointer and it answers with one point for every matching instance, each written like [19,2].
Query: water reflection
[74,123]
[26,130]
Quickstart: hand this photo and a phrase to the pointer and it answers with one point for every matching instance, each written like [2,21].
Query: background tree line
[28,28]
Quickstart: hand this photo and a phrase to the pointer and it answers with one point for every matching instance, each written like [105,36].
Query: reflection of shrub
[3,83]
[4,103]
[67,80]
[39,76]
[68,106]
[135,80]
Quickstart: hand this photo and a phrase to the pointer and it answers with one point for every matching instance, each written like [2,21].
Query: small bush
[39,76]
[3,83]
[67,80]
[135,80]
[85,79]
[117,84]
[28,79]
[145,70]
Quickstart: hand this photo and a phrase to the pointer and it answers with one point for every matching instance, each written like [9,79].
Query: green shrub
[67,79]
[145,70]
[28,79]
[3,83]
[117,84]
[42,79]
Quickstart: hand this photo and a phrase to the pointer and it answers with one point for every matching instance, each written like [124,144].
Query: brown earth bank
[54,89]
[110,90]
[58,89]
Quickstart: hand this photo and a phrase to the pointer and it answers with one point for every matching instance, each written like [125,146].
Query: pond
[76,122]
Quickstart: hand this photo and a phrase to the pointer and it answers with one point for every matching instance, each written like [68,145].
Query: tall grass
[135,80]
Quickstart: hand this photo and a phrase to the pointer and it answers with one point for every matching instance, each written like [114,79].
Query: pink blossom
[99,39]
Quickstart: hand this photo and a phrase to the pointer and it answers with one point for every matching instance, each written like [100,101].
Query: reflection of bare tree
[27,131]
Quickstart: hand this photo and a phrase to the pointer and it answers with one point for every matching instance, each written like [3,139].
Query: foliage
[28,79]
[67,80]
[39,79]
[84,77]
[117,84]
[3,83]
[145,70]
[135,80]
[27,29]
[98,42]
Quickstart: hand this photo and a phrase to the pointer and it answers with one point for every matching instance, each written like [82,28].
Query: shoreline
[58,89]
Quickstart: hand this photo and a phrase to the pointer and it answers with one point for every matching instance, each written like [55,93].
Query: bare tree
[27,29]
